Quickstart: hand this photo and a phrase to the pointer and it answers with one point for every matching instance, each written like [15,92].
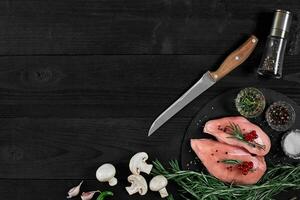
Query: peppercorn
[279,115]
[251,136]
[245,167]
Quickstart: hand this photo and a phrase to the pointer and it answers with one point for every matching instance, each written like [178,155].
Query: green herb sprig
[201,186]
[236,133]
[231,161]
[248,102]
[170,197]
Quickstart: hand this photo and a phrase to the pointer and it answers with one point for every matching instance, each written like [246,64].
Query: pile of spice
[291,144]
[251,136]
[244,166]
[280,116]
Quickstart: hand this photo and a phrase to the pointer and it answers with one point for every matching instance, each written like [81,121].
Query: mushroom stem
[159,183]
[138,164]
[163,193]
[106,173]
[147,168]
[113,181]
[132,189]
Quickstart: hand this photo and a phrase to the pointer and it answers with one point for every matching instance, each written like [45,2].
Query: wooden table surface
[81,81]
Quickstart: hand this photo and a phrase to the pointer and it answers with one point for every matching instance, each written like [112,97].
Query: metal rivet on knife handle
[235,58]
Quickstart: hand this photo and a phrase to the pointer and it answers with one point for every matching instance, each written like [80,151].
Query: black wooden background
[81,81]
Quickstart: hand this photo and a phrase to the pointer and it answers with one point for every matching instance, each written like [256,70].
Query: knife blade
[232,61]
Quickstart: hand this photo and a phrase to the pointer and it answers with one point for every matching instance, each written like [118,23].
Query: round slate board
[222,106]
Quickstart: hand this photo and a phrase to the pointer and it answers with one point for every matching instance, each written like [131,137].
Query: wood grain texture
[120,86]
[57,189]
[235,58]
[77,112]
[81,81]
[75,148]
[134,27]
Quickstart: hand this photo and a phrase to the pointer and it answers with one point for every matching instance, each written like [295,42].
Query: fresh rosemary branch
[170,197]
[236,133]
[201,186]
[231,162]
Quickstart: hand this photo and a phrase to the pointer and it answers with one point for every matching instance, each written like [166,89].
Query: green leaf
[170,197]
[231,161]
[104,194]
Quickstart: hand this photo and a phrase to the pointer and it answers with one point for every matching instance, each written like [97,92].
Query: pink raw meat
[213,153]
[220,129]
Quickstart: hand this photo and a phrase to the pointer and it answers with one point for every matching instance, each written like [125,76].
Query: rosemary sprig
[201,186]
[170,197]
[231,161]
[236,133]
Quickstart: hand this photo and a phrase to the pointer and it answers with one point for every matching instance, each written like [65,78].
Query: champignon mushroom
[106,173]
[138,164]
[138,184]
[158,184]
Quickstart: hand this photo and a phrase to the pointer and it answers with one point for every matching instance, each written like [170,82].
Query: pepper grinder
[273,56]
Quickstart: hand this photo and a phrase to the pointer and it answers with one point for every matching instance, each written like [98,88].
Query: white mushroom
[138,163]
[106,173]
[158,184]
[74,191]
[138,184]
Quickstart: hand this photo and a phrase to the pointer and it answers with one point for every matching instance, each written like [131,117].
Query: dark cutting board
[222,106]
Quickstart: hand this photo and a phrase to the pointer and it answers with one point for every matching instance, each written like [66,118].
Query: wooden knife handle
[235,58]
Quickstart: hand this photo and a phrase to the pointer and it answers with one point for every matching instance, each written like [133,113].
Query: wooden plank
[75,148]
[119,86]
[134,27]
[56,189]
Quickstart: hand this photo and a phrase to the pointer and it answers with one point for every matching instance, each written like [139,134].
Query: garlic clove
[88,195]
[74,191]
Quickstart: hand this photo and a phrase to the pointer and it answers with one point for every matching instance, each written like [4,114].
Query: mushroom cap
[139,182]
[158,182]
[140,156]
[105,172]
[136,161]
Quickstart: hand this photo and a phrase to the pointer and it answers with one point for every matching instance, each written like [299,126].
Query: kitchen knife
[208,79]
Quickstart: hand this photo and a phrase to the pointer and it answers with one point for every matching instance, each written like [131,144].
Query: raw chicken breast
[213,154]
[220,128]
